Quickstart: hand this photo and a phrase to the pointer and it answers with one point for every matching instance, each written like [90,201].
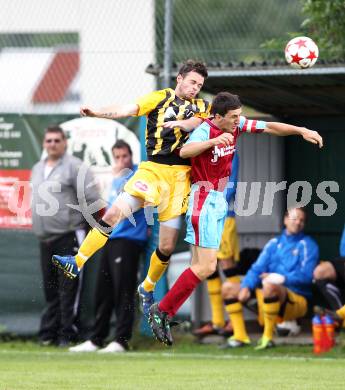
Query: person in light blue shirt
[117,275]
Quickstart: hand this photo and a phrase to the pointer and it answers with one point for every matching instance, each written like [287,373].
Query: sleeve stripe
[249,125]
[252,126]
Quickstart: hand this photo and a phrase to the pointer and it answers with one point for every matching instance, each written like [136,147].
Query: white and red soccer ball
[301,52]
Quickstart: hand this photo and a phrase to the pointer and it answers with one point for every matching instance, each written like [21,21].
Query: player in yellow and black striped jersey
[163,181]
[162,143]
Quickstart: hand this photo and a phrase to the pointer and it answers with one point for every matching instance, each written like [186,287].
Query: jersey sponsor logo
[221,152]
[141,185]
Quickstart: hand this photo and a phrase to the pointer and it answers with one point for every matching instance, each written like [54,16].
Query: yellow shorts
[294,307]
[165,186]
[229,246]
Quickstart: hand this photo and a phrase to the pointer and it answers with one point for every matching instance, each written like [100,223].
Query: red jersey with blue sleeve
[250,126]
[212,168]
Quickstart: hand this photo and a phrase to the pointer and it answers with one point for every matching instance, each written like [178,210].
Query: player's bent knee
[270,290]
[167,248]
[203,271]
[112,216]
[211,268]
[123,207]
[230,290]
[227,263]
[318,273]
[324,270]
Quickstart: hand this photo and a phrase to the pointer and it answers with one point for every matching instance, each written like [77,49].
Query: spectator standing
[59,229]
[118,272]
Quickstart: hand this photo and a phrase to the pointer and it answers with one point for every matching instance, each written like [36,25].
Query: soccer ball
[301,52]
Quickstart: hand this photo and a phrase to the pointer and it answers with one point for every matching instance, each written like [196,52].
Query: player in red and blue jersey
[211,148]
[210,176]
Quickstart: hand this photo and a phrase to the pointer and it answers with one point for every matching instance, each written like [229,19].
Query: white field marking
[178,355]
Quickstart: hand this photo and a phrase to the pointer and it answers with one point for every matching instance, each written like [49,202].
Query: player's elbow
[184,153]
[192,123]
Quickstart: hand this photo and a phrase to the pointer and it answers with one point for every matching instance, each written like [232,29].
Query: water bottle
[328,324]
[318,332]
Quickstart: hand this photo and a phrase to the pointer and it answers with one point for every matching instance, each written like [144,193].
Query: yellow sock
[94,241]
[234,309]
[214,287]
[341,312]
[156,269]
[271,308]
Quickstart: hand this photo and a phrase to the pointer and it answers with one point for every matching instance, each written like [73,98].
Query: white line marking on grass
[231,357]
[169,355]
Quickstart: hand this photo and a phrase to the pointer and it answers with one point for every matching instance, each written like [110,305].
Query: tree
[326,20]
[225,30]
[325,23]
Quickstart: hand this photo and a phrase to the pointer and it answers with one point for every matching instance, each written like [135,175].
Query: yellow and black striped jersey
[162,106]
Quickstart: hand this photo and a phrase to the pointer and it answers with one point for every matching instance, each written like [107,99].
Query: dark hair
[193,66]
[55,129]
[119,144]
[224,102]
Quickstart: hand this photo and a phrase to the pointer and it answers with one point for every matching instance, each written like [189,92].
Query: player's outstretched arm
[283,129]
[193,149]
[186,124]
[111,112]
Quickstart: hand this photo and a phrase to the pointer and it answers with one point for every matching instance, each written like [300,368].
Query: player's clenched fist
[225,138]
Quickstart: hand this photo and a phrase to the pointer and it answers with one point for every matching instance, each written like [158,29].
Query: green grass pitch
[27,366]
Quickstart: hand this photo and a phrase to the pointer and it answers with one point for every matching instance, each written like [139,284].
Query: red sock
[179,292]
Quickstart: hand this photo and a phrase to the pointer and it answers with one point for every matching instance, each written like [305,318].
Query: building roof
[278,89]
[38,77]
